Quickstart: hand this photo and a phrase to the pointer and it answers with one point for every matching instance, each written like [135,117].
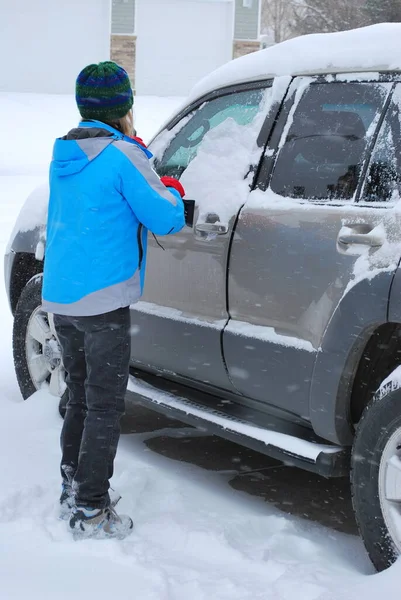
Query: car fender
[359,313]
[30,226]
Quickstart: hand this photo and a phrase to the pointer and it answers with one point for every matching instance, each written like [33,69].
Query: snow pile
[216,176]
[374,48]
[194,536]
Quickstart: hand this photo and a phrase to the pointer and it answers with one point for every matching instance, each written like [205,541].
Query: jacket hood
[73,152]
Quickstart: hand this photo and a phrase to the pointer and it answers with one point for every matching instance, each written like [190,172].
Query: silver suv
[274,320]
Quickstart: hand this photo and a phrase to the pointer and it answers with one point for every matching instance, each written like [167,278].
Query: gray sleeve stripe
[141,162]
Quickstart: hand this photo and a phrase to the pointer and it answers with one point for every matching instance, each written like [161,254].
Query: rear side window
[383,181]
[322,154]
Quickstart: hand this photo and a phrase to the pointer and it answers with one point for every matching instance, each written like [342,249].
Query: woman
[104,197]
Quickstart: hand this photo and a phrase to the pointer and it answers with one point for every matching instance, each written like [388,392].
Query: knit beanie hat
[103,92]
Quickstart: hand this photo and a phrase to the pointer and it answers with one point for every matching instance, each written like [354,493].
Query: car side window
[323,152]
[242,107]
[383,180]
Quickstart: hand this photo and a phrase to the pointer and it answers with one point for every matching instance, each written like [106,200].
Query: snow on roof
[374,48]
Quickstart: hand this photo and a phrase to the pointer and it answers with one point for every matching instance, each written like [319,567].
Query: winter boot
[67,500]
[99,523]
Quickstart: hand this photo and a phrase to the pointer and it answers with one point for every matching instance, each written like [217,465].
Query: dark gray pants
[96,354]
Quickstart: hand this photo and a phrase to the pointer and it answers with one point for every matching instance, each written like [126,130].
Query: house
[247,27]
[165,45]
[168,45]
[45,43]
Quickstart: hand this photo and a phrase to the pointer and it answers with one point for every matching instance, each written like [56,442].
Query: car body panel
[180,319]
[302,281]
[177,325]
[361,311]
[288,272]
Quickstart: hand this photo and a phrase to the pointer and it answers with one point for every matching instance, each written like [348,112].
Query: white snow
[267,334]
[166,312]
[386,256]
[216,176]
[374,48]
[195,537]
[33,121]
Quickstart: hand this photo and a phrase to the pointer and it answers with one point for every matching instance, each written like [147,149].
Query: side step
[322,458]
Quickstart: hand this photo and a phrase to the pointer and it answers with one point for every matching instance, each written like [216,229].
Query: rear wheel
[37,354]
[376,476]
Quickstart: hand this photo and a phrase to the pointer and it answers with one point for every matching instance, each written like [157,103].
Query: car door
[302,240]
[177,325]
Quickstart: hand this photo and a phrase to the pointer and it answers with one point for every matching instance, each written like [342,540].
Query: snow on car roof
[374,48]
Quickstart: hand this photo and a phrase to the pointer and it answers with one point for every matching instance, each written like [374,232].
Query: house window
[123,17]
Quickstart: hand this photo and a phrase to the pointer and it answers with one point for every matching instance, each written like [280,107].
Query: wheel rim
[43,354]
[390,487]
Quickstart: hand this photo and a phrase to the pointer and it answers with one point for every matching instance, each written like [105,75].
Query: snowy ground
[195,537]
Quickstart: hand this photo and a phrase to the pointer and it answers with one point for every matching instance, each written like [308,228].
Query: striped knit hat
[103,92]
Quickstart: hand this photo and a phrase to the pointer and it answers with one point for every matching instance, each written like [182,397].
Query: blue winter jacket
[104,197]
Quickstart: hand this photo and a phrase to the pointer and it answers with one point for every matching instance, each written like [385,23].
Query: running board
[325,459]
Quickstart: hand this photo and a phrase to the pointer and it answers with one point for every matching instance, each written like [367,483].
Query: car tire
[28,315]
[376,476]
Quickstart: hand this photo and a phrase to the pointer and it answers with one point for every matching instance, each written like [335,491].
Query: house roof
[369,49]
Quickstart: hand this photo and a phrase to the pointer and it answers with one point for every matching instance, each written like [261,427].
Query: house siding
[246,21]
[123,17]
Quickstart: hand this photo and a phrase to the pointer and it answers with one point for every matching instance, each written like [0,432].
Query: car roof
[372,49]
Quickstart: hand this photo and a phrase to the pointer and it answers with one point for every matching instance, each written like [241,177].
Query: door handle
[358,235]
[363,239]
[216,228]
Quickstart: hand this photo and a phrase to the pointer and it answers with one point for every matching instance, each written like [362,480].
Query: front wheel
[37,355]
[376,476]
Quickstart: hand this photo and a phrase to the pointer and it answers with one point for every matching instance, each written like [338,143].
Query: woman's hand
[173,183]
